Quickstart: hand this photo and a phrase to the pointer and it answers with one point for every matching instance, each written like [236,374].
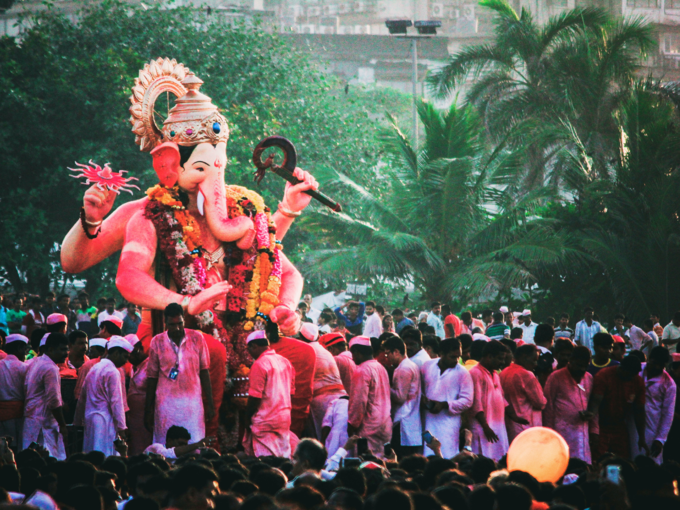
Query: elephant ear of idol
[166,163]
[157,77]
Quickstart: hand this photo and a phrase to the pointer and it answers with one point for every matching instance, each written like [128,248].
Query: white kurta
[489,399]
[180,401]
[102,405]
[336,419]
[373,326]
[454,387]
[420,358]
[43,395]
[660,394]
[405,394]
[327,386]
[12,394]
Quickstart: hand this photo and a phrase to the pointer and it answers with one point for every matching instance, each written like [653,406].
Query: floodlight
[427,27]
[398,26]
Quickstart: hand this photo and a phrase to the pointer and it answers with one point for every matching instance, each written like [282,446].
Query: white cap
[16,338]
[504,309]
[421,316]
[526,312]
[98,342]
[56,318]
[119,341]
[360,340]
[480,336]
[256,335]
[132,338]
[310,332]
[43,340]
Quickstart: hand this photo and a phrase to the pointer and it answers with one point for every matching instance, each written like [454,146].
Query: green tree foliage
[66,99]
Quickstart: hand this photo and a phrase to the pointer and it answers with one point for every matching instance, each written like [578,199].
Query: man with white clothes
[447,392]
[373,325]
[327,382]
[12,391]
[413,339]
[660,395]
[528,327]
[334,426]
[43,412]
[587,329]
[671,333]
[434,319]
[407,428]
[639,340]
[101,409]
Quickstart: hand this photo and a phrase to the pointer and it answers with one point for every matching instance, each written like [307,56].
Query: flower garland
[179,237]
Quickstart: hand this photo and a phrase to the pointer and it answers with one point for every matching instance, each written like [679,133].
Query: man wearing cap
[336,344]
[528,327]
[109,312]
[268,414]
[12,391]
[101,409]
[138,437]
[369,399]
[56,323]
[587,329]
[178,386]
[327,382]
[43,411]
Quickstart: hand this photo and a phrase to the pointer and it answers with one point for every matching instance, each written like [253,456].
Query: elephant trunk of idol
[212,202]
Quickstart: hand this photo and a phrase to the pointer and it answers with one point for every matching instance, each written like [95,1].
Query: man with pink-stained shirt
[567,391]
[268,413]
[336,344]
[369,401]
[139,439]
[327,383]
[660,395]
[523,391]
[489,408]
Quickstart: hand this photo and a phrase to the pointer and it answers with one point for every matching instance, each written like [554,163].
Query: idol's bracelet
[85,224]
[185,303]
[287,212]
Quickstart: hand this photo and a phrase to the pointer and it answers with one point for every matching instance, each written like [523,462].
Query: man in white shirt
[671,333]
[312,313]
[434,319]
[12,391]
[587,329]
[407,428]
[528,327]
[373,324]
[648,327]
[639,340]
[413,339]
[109,311]
[176,444]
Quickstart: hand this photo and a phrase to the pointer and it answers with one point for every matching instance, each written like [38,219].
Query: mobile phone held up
[427,437]
[388,451]
[362,447]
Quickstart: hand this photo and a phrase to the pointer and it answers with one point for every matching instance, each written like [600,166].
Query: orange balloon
[541,452]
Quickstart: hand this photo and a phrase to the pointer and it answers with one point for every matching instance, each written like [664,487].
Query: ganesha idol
[211,247]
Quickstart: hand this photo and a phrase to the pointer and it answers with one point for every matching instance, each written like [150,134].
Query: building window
[558,3]
[671,43]
[644,4]
[672,4]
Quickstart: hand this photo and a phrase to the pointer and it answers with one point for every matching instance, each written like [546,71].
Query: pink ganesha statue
[211,247]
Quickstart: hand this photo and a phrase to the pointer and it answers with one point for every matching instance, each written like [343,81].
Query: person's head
[257,344]
[343,498]
[477,349]
[466,318]
[361,349]
[77,343]
[370,307]
[398,315]
[602,345]
[303,308]
[111,305]
[177,436]
[174,320]
[562,350]
[413,339]
[118,356]
[63,301]
[526,356]
[36,302]
[629,368]
[512,496]
[659,358]
[56,323]
[498,317]
[388,322]
[450,350]
[465,346]
[16,345]
[627,321]
[131,309]
[310,455]
[564,320]
[516,334]
[395,349]
[588,313]
[648,325]
[353,310]
[436,307]
[269,481]
[302,497]
[394,498]
[107,329]
[84,300]
[307,298]
[194,487]
[18,303]
[137,356]
[56,347]
[487,315]
[49,298]
[431,345]
[493,355]
[544,335]
[101,304]
[579,361]
[619,319]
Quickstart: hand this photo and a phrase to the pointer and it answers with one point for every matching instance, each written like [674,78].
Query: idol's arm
[289,297]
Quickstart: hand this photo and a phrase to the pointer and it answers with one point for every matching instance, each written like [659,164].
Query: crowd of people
[363,409]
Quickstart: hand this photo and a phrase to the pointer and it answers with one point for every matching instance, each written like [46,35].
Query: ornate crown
[193,119]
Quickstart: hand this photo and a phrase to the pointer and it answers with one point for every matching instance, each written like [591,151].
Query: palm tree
[444,217]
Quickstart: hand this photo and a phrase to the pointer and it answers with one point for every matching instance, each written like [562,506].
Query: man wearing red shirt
[619,392]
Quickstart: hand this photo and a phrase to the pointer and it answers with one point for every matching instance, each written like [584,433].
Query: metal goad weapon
[287,168]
